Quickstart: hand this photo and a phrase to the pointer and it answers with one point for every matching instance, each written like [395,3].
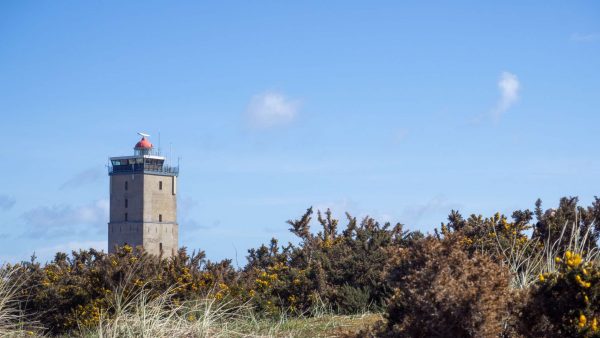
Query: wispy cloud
[588,37]
[62,220]
[87,176]
[192,228]
[509,86]
[271,109]
[6,202]
[49,251]
[339,208]
[400,135]
[437,205]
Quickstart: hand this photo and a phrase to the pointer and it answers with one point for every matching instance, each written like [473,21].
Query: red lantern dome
[143,144]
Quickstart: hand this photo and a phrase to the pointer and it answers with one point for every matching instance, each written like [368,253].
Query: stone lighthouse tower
[143,201]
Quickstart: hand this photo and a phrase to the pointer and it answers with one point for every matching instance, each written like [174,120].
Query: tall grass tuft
[142,315]
[526,262]
[13,322]
[163,316]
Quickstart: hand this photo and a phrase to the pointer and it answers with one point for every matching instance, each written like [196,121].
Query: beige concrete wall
[133,194]
[157,233]
[158,202]
[145,202]
[122,233]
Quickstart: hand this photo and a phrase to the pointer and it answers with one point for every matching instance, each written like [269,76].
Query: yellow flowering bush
[566,302]
[459,281]
[74,291]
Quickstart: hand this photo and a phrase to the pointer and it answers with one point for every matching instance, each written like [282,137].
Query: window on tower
[126,203]
[125,217]
[160,218]
[126,185]
[159,185]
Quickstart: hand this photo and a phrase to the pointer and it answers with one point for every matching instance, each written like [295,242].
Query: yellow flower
[541,277]
[594,325]
[581,282]
[582,320]
[557,259]
[573,259]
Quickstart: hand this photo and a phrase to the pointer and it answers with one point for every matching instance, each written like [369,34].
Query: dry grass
[527,262]
[141,316]
[12,321]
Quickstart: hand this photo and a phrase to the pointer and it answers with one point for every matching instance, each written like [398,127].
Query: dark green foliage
[550,223]
[342,270]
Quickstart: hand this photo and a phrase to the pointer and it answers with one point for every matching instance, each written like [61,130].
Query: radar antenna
[143,134]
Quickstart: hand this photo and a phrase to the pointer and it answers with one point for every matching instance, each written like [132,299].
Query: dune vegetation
[535,274]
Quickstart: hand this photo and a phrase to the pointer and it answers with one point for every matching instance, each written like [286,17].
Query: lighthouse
[143,201]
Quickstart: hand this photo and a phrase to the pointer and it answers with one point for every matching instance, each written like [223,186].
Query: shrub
[476,277]
[551,224]
[70,292]
[342,269]
[441,290]
[567,302]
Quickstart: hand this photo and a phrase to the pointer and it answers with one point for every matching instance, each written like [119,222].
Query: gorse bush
[75,291]
[339,271]
[343,269]
[474,277]
[565,302]
[551,223]
[442,290]
[486,277]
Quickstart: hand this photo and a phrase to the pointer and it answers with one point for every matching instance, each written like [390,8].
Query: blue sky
[402,111]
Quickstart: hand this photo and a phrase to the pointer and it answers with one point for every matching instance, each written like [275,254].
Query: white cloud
[509,93]
[589,37]
[62,220]
[271,109]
